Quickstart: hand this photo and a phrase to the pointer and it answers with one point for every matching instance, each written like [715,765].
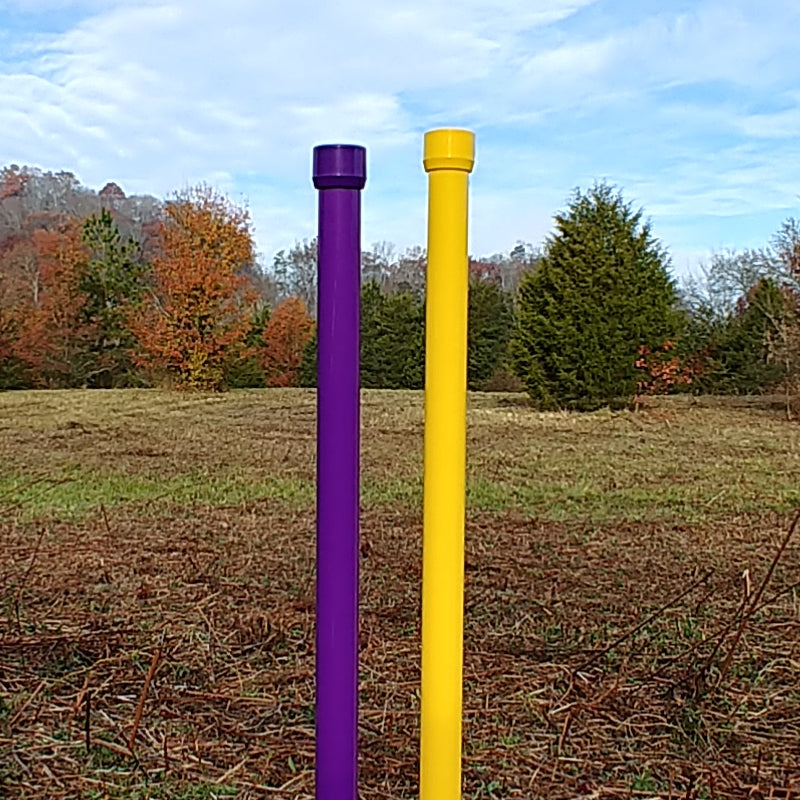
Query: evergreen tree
[373,305]
[401,342]
[247,372]
[489,330]
[308,363]
[740,350]
[392,340]
[112,282]
[601,290]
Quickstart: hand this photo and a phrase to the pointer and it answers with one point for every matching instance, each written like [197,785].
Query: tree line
[104,290]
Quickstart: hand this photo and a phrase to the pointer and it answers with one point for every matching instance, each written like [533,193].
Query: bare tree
[379,263]
[295,273]
[409,272]
[32,199]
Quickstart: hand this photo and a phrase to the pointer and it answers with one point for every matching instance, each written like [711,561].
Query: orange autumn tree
[10,297]
[286,334]
[53,332]
[194,320]
[663,371]
[9,326]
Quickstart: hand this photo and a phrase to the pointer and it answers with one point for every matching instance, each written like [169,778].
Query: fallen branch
[143,696]
[751,609]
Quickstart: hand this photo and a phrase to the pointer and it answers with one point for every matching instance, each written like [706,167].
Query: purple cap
[340,166]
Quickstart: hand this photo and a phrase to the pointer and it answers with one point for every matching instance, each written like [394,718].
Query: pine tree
[743,351]
[247,372]
[400,343]
[489,329]
[373,309]
[392,339]
[308,363]
[601,291]
[113,282]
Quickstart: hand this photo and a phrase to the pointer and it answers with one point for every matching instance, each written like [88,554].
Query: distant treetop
[111,191]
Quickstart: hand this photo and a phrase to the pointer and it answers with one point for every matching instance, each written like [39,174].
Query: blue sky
[690,107]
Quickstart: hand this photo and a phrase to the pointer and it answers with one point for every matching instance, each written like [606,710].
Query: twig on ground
[756,598]
[143,696]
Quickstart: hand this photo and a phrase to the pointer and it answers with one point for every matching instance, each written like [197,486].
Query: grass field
[632,607]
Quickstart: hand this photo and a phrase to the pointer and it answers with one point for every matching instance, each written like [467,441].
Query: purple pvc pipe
[339,174]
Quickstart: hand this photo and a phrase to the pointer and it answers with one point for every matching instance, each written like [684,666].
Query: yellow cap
[449,148]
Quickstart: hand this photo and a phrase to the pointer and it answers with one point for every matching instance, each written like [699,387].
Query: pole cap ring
[340,166]
[449,148]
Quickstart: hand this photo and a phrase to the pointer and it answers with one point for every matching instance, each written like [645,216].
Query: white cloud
[161,94]
[777,125]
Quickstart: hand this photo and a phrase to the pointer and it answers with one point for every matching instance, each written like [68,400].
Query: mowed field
[632,623]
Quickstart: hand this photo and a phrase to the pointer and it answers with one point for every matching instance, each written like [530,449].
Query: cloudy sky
[691,107]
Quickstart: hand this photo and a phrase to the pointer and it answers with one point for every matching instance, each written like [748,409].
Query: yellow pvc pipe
[448,159]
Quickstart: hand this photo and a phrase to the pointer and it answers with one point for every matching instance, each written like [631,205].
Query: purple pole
[340,174]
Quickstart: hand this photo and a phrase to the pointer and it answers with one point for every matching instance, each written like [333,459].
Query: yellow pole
[448,159]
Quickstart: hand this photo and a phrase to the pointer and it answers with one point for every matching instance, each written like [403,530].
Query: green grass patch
[68,453]
[75,494]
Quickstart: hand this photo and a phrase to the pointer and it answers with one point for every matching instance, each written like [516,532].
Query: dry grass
[604,657]
[681,462]
[549,711]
